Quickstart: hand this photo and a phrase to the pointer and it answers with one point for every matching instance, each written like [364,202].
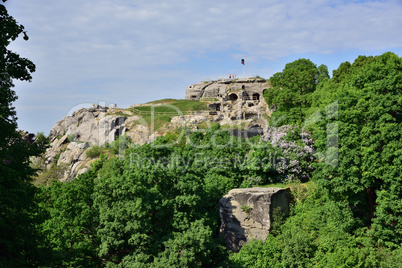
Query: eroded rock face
[231,100]
[71,136]
[222,88]
[246,214]
[93,125]
[74,156]
[237,103]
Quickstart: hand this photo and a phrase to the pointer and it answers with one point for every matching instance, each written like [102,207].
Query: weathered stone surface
[139,134]
[223,87]
[246,214]
[75,159]
[89,125]
[185,120]
[232,100]
[72,135]
[196,91]
[232,104]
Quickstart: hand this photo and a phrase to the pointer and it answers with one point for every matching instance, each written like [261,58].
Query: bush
[95,152]
[71,137]
[41,138]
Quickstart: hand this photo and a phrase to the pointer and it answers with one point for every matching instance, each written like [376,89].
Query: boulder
[139,134]
[246,214]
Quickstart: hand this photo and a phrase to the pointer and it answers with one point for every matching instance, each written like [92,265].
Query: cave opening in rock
[233,97]
[256,96]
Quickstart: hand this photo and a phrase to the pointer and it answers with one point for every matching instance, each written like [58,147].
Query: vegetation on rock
[156,205]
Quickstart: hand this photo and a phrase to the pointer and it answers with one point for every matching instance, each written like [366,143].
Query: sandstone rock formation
[246,214]
[95,125]
[235,102]
[233,99]
[228,88]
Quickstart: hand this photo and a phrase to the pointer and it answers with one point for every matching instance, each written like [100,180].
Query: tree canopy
[18,240]
[291,90]
[368,174]
[339,150]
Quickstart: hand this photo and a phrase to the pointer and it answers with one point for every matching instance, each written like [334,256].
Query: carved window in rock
[233,97]
[256,96]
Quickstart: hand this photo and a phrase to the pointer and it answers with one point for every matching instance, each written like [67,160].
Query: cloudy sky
[134,51]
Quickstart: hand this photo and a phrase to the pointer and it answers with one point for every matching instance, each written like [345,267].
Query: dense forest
[336,142]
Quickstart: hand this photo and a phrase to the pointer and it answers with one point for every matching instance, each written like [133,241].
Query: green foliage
[55,172]
[157,205]
[317,234]
[153,206]
[71,221]
[71,138]
[155,122]
[277,220]
[41,138]
[323,73]
[247,209]
[173,106]
[120,144]
[259,254]
[368,122]
[159,113]
[299,248]
[18,208]
[191,248]
[95,151]
[291,91]
[177,137]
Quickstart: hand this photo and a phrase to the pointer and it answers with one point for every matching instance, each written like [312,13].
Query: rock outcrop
[223,88]
[236,102]
[96,125]
[246,214]
[232,100]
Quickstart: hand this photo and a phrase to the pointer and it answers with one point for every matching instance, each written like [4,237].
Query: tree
[18,238]
[291,90]
[71,221]
[369,118]
[323,73]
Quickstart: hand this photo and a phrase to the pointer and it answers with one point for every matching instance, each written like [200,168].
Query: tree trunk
[371,201]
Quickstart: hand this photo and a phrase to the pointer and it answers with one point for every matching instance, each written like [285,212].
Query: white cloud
[131,51]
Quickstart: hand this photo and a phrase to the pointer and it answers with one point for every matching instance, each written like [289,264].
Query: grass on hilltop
[163,111]
[172,106]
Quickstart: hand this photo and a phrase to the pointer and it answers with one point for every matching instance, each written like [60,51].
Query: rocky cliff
[246,214]
[228,88]
[233,99]
[236,103]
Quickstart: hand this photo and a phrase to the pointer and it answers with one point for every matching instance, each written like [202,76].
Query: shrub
[71,137]
[41,138]
[294,151]
[246,209]
[95,152]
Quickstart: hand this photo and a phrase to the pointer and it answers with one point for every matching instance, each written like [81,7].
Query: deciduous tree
[18,239]
[369,123]
[291,90]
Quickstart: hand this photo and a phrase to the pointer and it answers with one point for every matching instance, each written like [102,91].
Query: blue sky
[134,51]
